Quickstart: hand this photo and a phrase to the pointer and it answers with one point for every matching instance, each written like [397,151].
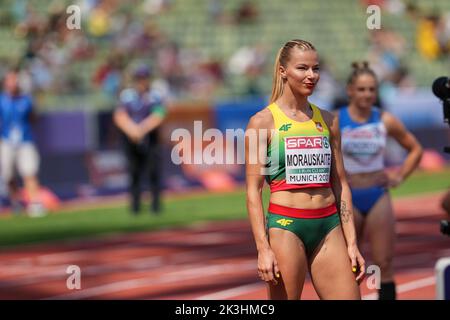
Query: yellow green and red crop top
[299,154]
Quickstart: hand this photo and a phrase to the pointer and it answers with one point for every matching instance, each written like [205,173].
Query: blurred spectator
[154,7]
[140,112]
[426,39]
[443,33]
[386,54]
[215,10]
[246,13]
[17,149]
[109,75]
[432,34]
[249,62]
[205,79]
[330,92]
[99,21]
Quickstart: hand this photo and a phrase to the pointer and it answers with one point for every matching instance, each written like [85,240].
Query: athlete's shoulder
[261,119]
[327,116]
[157,96]
[128,95]
[391,122]
[388,118]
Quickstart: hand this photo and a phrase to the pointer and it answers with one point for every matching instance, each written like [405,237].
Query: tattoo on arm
[344,212]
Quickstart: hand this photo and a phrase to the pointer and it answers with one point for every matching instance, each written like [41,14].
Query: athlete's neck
[359,114]
[293,103]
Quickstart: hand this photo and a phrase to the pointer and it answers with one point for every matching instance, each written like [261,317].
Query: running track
[206,261]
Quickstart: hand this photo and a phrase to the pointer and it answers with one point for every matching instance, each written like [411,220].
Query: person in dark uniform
[140,112]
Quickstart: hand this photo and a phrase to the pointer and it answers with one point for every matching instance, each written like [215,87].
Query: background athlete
[303,229]
[364,129]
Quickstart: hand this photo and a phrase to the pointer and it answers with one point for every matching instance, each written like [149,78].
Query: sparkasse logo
[315,142]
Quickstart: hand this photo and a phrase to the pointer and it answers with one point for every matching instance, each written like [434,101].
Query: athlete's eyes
[364,89]
[315,69]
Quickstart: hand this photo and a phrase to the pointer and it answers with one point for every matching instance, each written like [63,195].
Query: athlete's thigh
[331,269]
[380,225]
[7,155]
[292,262]
[28,161]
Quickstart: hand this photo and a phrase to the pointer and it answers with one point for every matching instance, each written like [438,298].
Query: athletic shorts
[365,199]
[24,158]
[309,225]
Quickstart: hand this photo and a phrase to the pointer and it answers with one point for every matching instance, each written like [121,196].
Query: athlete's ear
[283,72]
[350,90]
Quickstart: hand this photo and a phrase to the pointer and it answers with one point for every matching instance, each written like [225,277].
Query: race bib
[307,159]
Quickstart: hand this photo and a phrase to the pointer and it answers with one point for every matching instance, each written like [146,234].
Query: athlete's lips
[310,85]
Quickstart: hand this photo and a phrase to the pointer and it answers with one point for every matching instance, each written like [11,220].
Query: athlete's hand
[358,263]
[394,179]
[267,266]
[389,179]
[134,133]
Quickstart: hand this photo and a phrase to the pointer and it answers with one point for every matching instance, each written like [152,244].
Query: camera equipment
[441,89]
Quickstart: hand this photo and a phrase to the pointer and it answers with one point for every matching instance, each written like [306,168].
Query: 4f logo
[285,127]
[284,222]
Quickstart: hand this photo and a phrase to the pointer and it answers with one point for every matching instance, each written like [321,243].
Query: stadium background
[213,59]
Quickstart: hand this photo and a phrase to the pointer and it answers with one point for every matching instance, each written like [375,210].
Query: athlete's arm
[153,121]
[342,193]
[255,148]
[127,125]
[406,139]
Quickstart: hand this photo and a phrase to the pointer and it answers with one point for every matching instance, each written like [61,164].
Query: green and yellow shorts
[310,225]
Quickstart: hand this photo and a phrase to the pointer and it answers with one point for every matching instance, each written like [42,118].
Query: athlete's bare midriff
[308,198]
[367,179]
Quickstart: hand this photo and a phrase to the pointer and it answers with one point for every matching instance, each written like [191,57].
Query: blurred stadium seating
[337,28]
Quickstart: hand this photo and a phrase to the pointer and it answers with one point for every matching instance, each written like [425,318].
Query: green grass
[178,212]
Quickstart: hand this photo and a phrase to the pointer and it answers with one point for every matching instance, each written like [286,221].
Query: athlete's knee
[385,265]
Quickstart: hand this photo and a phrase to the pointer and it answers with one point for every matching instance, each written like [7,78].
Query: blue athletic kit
[363,146]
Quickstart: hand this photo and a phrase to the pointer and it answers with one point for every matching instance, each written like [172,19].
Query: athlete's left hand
[394,179]
[358,263]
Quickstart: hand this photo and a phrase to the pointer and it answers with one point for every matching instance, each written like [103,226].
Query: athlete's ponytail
[277,82]
[281,59]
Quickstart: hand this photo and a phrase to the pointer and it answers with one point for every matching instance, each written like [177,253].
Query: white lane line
[176,276]
[39,274]
[233,292]
[208,238]
[405,287]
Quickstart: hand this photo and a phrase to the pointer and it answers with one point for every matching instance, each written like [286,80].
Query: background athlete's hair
[358,69]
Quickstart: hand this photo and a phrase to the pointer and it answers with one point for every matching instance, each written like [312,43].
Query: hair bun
[360,65]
